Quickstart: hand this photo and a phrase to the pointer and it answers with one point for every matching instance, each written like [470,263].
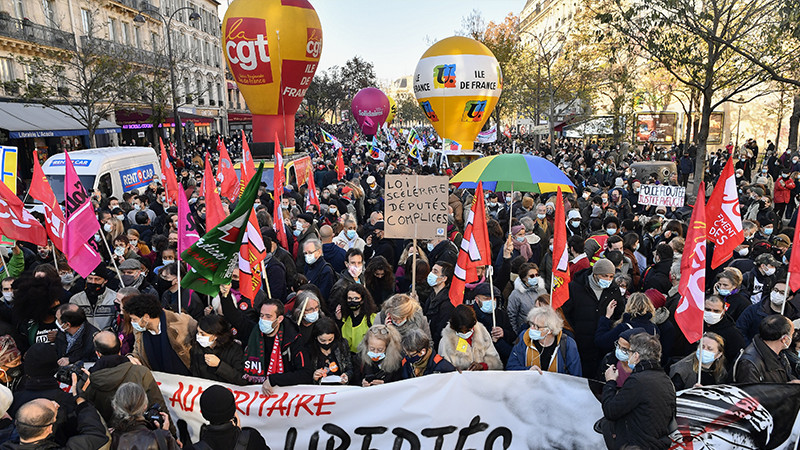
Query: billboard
[657,127]
[716,122]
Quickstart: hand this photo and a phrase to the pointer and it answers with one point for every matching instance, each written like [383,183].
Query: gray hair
[527,222]
[623,278]
[675,269]
[415,340]
[550,317]
[302,298]
[315,242]
[126,291]
[391,338]
[129,401]
[647,346]
[749,225]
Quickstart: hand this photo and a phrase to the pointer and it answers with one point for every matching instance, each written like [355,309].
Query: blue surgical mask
[432,279]
[705,357]
[265,326]
[351,234]
[430,246]
[611,231]
[487,306]
[138,327]
[604,284]
[533,281]
[520,238]
[376,356]
[631,365]
[535,335]
[310,258]
[768,231]
[296,232]
[621,355]
[312,317]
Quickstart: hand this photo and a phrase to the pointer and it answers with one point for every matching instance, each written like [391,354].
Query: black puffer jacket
[657,277]
[639,414]
[583,310]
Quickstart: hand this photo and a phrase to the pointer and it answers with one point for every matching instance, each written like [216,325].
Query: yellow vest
[354,335]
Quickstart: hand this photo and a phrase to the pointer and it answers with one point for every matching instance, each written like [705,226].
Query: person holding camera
[138,426]
[218,407]
[74,337]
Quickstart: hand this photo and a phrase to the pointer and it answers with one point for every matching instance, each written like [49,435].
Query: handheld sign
[416,207]
[661,195]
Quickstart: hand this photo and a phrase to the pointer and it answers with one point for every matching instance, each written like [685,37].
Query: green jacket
[15,267]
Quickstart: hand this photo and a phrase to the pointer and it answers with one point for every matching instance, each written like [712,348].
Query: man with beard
[133,276]
[97,301]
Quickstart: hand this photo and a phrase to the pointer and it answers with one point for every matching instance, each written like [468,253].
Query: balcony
[122,51]
[25,30]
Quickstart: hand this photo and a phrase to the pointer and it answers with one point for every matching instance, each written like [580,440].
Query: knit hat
[217,404]
[41,360]
[6,397]
[656,298]
[628,334]
[486,290]
[307,217]
[603,267]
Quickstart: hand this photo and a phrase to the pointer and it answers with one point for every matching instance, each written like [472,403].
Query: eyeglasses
[537,327]
[623,350]
[381,329]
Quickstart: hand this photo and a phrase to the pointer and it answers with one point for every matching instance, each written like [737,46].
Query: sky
[393,34]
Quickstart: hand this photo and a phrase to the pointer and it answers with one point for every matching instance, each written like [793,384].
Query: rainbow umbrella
[513,172]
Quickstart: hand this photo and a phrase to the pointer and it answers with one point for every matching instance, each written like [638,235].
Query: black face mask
[93,288]
[353,305]
[235,284]
[162,284]
[327,346]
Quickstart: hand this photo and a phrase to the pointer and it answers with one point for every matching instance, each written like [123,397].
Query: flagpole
[700,345]
[511,209]
[786,292]
[113,263]
[55,259]
[491,291]
[5,266]
[178,262]
[414,255]
[266,281]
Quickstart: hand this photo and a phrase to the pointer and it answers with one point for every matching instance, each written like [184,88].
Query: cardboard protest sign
[662,195]
[415,206]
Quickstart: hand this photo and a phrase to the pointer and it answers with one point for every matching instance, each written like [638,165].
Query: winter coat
[91,434]
[565,358]
[226,436]
[759,364]
[481,350]
[83,347]
[341,238]
[344,361]
[751,318]
[521,301]
[436,364]
[438,310]
[640,413]
[109,374]
[684,376]
[657,277]
[103,313]
[181,330]
[322,275]
[606,336]
[231,363]
[506,343]
[734,341]
[583,311]
[783,190]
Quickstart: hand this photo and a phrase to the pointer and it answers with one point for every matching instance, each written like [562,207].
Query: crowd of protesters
[346,306]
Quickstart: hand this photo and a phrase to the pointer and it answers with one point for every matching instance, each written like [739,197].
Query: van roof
[89,161]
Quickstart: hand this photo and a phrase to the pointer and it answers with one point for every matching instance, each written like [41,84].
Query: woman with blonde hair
[379,357]
[543,346]
[403,313]
[639,312]
[710,355]
[113,229]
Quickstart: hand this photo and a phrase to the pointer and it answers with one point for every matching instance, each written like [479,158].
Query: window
[86,21]
[112,29]
[19,8]
[7,69]
[126,33]
[219,93]
[154,41]
[49,11]
[137,36]
[210,93]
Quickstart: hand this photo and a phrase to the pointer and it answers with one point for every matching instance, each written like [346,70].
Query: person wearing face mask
[306,312]
[657,276]
[783,192]
[729,287]
[763,360]
[97,300]
[404,313]
[618,358]
[214,355]
[133,276]
[639,413]
[352,274]
[717,320]
[167,284]
[317,270]
[355,313]
[164,338]
[494,317]
[773,302]
[521,245]
[437,307]
[467,344]
[421,359]
[330,357]
[590,293]
[348,238]
[527,288]
[574,223]
[379,356]
[74,337]
[542,346]
[304,230]
[709,358]
[756,283]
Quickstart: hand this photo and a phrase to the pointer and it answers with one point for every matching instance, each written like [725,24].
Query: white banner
[662,195]
[490,135]
[470,410]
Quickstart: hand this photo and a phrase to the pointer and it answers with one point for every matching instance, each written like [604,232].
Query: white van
[112,170]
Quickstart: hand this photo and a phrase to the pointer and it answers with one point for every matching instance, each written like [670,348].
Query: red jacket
[783,188]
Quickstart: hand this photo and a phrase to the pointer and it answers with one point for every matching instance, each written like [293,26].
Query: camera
[153,415]
[64,374]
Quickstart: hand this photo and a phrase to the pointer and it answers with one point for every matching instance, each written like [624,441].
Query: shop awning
[240,117]
[31,120]
[142,116]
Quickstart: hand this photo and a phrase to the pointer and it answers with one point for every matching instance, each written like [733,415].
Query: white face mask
[777,298]
[712,318]
[204,341]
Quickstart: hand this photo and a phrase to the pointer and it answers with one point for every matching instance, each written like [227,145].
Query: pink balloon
[370,108]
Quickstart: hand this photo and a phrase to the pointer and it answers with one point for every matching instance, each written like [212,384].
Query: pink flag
[187,229]
[81,223]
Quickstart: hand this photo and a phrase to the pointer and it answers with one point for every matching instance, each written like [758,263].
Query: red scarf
[275,359]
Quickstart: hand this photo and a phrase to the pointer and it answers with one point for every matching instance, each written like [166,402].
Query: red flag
[689,314]
[794,262]
[248,165]
[311,190]
[561,274]
[251,253]
[214,211]
[725,230]
[316,147]
[172,152]
[228,183]
[475,249]
[277,190]
[168,179]
[355,138]
[16,222]
[507,133]
[339,165]
[42,191]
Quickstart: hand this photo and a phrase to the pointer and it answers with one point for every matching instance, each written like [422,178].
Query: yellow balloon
[457,84]
[392,110]
[272,48]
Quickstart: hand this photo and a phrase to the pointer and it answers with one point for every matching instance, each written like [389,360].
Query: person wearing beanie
[218,407]
[591,292]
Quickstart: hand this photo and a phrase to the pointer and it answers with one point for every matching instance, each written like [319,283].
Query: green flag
[214,256]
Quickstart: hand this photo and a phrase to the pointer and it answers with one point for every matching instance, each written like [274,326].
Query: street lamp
[168,25]
[740,100]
